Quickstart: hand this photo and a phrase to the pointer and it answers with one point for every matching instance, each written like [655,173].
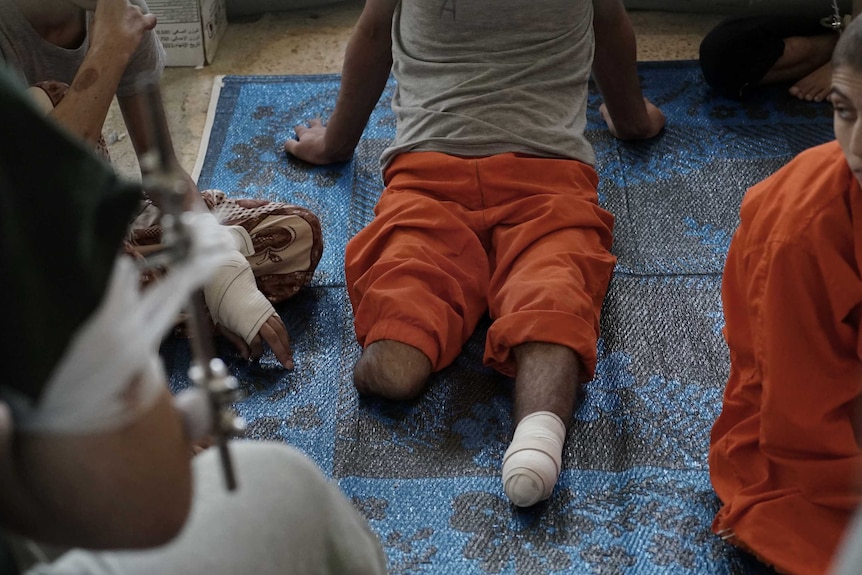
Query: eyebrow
[835,90]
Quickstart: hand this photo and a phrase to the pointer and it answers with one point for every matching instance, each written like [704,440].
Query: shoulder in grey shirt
[476,78]
[36,60]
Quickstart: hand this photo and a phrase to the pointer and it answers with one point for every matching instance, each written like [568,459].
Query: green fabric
[63,216]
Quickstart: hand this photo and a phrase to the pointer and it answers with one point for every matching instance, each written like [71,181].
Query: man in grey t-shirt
[490,203]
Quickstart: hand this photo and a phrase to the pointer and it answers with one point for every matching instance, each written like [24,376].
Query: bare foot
[815,86]
[391,369]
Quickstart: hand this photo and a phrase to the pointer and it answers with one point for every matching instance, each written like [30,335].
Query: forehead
[847,81]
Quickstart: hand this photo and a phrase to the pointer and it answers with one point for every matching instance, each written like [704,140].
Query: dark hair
[848,50]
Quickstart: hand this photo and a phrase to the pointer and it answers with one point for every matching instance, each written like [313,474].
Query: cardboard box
[189,30]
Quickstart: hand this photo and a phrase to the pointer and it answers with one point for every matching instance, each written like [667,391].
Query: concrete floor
[312,41]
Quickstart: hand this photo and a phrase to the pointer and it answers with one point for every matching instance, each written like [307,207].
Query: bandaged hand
[243,314]
[111,371]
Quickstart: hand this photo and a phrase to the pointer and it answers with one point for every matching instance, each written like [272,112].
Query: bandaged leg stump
[532,463]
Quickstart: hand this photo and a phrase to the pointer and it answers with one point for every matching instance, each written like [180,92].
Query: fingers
[315,123]
[250,204]
[657,117]
[300,129]
[202,445]
[275,334]
[132,14]
[291,145]
[606,116]
[640,125]
[239,343]
[119,25]
[255,348]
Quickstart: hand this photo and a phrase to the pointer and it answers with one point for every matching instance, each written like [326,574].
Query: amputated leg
[546,388]
[551,268]
[391,369]
[417,275]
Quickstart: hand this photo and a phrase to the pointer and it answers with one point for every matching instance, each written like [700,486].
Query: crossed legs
[805,61]
[756,50]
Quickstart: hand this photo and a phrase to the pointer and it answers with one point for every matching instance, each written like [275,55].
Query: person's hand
[310,144]
[119,26]
[273,332]
[652,125]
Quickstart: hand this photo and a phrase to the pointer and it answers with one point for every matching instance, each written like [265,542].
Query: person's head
[846,95]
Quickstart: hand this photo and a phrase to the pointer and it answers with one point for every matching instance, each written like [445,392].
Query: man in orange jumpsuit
[785,451]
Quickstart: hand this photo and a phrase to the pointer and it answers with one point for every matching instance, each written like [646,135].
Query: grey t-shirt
[35,60]
[477,78]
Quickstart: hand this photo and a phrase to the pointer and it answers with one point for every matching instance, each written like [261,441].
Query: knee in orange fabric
[552,270]
[417,271]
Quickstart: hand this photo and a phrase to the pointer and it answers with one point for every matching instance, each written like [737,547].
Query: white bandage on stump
[234,300]
[532,463]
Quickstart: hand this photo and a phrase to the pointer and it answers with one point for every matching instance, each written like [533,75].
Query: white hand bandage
[234,300]
[111,371]
[242,239]
[531,465]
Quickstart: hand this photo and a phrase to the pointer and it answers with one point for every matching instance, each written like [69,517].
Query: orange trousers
[519,237]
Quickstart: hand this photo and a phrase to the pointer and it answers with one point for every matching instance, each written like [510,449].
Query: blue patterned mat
[634,496]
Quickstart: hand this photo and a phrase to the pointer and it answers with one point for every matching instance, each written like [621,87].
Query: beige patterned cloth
[287,239]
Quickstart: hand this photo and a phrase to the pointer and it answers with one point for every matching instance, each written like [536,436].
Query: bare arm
[138,119]
[628,114]
[121,489]
[116,31]
[367,63]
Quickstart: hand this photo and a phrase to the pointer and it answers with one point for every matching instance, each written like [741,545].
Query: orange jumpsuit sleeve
[810,383]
